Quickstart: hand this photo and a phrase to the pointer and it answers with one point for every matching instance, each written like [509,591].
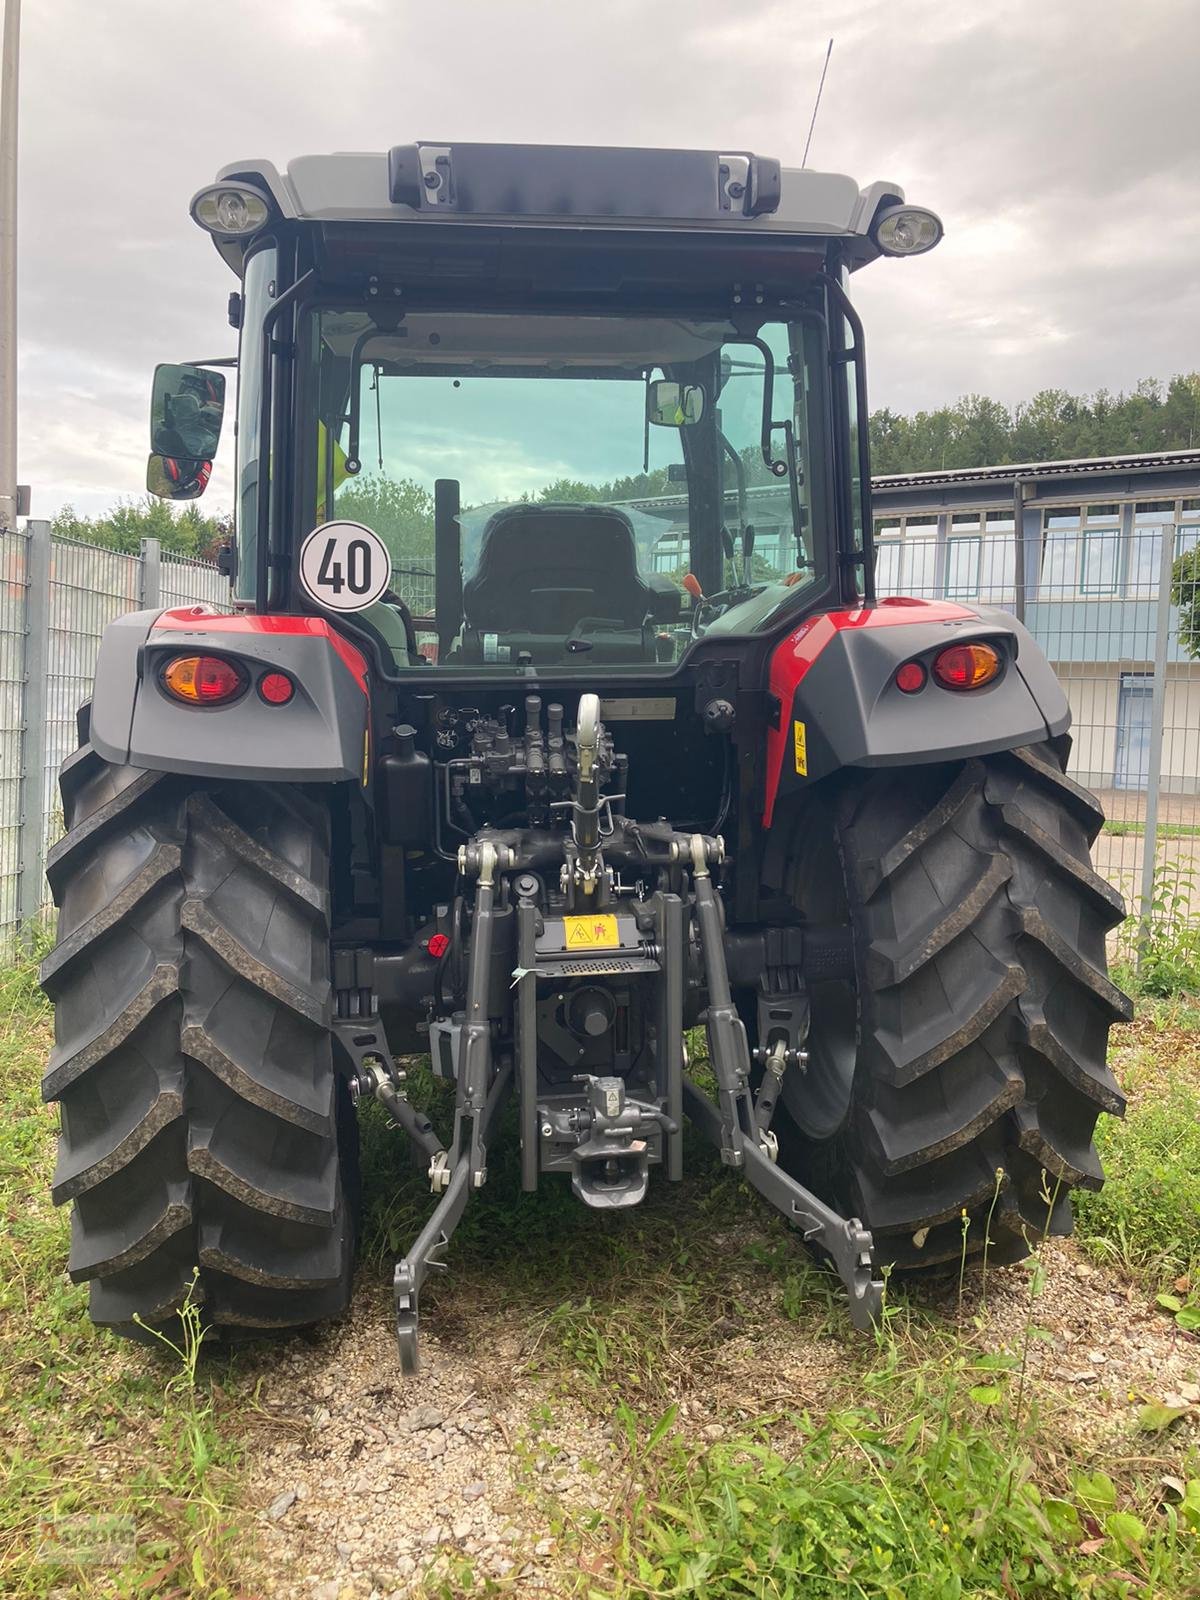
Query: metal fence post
[32,821]
[1158,705]
[151,574]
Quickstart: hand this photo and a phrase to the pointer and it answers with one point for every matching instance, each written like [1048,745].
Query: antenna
[817,103]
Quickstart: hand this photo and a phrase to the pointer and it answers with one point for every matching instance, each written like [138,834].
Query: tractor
[555,715]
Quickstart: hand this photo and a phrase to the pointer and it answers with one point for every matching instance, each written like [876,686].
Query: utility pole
[8,264]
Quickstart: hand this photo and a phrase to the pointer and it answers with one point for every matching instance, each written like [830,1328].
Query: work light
[906,231]
[231,210]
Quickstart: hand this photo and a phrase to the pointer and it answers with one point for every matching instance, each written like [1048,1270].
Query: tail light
[911,677]
[203,680]
[966,666]
[276,688]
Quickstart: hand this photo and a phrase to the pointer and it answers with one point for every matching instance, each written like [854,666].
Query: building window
[668,554]
[1063,517]
[887,567]
[1145,561]
[918,574]
[998,567]
[962,568]
[1101,549]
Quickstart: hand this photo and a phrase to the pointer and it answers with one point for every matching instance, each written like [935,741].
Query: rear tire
[967,1074]
[203,1124]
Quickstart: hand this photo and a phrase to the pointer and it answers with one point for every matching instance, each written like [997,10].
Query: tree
[1185,592]
[1052,426]
[184,533]
[399,510]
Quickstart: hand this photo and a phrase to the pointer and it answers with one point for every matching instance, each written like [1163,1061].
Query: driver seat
[544,569]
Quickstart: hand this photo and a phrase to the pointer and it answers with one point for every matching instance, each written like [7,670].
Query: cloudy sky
[1057,138]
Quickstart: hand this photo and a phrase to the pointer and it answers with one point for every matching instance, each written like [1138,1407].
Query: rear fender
[835,703]
[319,736]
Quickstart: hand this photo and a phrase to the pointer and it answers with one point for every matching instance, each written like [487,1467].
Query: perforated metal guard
[595,967]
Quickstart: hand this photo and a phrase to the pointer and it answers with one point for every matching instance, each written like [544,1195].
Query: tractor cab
[593,403]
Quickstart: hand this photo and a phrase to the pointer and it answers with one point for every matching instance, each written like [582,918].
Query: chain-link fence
[58,597]
[13,566]
[414,584]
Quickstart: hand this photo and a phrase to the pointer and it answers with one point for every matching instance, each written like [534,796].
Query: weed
[1147,1216]
[1184,1307]
[898,1494]
[1167,938]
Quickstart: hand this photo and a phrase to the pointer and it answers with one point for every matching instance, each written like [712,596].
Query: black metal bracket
[848,1244]
[427,1253]
[734,1127]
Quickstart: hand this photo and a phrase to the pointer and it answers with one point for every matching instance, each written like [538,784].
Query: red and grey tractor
[556,715]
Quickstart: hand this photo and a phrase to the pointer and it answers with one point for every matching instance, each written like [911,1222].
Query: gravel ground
[363,1479]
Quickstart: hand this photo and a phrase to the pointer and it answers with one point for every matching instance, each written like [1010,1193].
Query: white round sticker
[344,566]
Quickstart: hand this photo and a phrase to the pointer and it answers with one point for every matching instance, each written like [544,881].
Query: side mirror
[674,405]
[186,409]
[176,477]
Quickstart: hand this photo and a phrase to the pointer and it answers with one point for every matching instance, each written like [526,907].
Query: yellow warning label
[591,933]
[800,734]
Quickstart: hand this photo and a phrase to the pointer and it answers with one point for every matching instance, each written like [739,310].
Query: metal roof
[1087,466]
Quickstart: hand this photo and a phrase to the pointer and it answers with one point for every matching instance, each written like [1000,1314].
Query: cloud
[1056,140]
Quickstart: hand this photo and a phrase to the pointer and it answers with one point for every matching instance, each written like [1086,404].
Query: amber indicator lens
[202,680]
[910,677]
[276,688]
[966,666]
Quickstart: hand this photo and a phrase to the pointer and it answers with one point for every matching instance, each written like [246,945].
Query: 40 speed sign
[344,566]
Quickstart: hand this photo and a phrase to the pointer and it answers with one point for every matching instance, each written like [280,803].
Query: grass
[1164,830]
[1147,1216]
[118,1472]
[924,1473]
[924,1486]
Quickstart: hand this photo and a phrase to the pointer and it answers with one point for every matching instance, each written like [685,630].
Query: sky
[1058,141]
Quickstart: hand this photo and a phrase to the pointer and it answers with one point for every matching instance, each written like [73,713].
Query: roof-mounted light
[906,231]
[230,210]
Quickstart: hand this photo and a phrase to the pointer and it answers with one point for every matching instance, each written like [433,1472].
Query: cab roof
[581,189]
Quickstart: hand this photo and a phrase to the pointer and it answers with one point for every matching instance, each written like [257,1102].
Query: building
[1080,550]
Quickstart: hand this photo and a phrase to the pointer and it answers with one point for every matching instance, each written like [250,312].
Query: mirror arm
[768,405]
[789,434]
[353,458]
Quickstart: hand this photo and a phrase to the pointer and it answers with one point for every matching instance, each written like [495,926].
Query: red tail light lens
[966,666]
[203,680]
[911,677]
[276,688]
